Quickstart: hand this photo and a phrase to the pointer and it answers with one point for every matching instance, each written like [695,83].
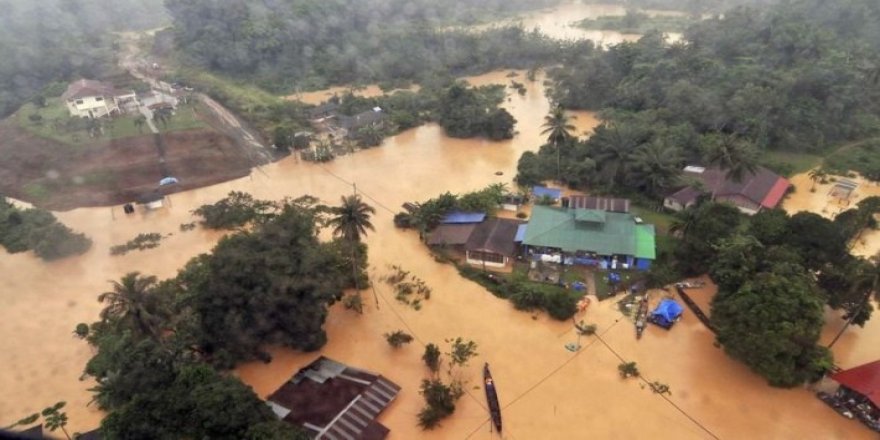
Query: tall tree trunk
[852,318]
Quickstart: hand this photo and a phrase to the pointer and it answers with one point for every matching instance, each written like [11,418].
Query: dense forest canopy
[57,40]
[289,44]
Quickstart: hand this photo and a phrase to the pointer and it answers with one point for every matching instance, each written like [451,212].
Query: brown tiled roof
[686,195]
[494,235]
[451,234]
[84,88]
[599,203]
[760,187]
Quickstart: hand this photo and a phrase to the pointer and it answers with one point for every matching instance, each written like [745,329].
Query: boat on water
[492,397]
[642,317]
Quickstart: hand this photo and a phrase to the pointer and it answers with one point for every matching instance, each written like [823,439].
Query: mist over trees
[288,44]
[59,40]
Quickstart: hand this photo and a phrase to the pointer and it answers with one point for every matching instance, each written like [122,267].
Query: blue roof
[463,218]
[668,310]
[540,191]
[520,233]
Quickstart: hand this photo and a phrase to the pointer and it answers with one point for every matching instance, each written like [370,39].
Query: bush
[398,338]
[237,209]
[439,403]
[432,357]
[38,230]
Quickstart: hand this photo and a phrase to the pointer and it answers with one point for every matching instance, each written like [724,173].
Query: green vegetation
[56,123]
[236,210]
[38,230]
[139,243]
[158,343]
[467,112]
[770,303]
[863,158]
[628,369]
[439,397]
[636,22]
[427,215]
[409,289]
[398,338]
[559,302]
[52,41]
[789,163]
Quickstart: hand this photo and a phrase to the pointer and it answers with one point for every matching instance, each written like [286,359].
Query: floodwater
[546,391]
[556,22]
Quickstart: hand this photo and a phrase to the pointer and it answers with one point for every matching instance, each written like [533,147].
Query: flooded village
[552,380]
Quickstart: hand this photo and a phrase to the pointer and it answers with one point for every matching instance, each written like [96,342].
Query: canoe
[492,397]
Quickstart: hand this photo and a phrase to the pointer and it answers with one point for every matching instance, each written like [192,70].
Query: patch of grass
[37,191]
[863,158]
[788,163]
[604,286]
[661,220]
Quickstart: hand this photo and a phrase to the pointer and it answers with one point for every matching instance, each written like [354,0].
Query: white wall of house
[92,106]
[669,203]
[478,262]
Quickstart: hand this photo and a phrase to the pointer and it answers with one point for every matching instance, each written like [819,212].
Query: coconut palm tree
[350,221]
[130,302]
[733,155]
[868,282]
[557,126]
[684,222]
[655,167]
[816,174]
[615,144]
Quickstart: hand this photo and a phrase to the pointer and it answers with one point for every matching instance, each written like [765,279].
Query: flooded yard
[545,390]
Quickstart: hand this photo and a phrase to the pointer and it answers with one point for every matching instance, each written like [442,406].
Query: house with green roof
[589,237]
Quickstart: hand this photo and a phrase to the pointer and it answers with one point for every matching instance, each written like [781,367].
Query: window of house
[99,98]
[79,102]
[487,257]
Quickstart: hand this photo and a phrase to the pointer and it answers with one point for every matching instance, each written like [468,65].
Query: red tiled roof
[776,193]
[864,379]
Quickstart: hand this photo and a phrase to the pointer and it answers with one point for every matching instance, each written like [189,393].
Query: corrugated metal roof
[600,203]
[494,235]
[463,217]
[589,215]
[540,191]
[520,233]
[619,234]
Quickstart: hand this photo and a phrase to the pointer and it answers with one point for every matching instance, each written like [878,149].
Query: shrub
[432,357]
[38,230]
[439,403]
[628,369]
[398,338]
[237,209]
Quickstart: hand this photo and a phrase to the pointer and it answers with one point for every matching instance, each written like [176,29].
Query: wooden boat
[492,398]
[642,317]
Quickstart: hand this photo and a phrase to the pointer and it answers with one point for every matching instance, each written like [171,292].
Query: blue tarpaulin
[463,218]
[540,191]
[520,233]
[667,312]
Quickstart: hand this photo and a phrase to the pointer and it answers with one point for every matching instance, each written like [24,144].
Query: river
[545,390]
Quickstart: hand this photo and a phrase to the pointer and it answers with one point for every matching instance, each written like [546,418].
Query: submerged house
[334,401]
[371,118]
[594,237]
[94,99]
[762,189]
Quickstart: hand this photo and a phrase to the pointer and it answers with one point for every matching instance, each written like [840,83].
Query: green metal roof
[589,215]
[564,229]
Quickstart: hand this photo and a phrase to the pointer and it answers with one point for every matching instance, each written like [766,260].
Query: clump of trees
[38,230]
[775,274]
[558,302]
[428,214]
[162,346]
[237,209]
[398,338]
[140,242]
[465,112]
[440,397]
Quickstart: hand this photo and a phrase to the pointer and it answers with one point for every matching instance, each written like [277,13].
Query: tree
[628,369]
[55,418]
[655,168]
[131,303]
[398,338]
[557,126]
[432,358]
[350,221]
[460,352]
[772,324]
[865,285]
[139,123]
[816,174]
[439,402]
[732,154]
[613,144]
[737,260]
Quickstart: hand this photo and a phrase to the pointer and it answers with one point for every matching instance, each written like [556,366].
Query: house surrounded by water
[334,401]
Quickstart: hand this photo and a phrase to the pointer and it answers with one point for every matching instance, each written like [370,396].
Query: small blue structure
[614,277]
[666,313]
[540,191]
[463,218]
[578,286]
[520,233]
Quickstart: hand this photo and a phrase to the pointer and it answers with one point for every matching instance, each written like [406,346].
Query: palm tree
[557,126]
[615,143]
[656,167]
[350,221]
[130,302]
[868,282]
[733,155]
[684,222]
[816,174]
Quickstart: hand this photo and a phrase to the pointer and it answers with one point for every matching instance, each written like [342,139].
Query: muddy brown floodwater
[546,391]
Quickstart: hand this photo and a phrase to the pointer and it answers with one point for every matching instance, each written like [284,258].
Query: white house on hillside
[94,99]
